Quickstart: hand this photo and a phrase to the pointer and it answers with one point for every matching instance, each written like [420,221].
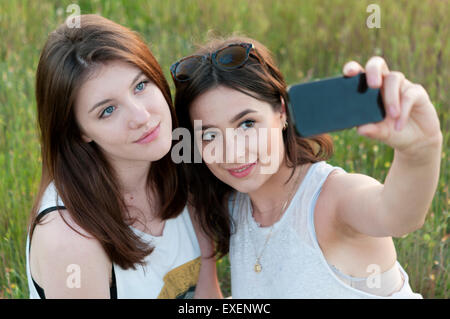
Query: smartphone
[334,104]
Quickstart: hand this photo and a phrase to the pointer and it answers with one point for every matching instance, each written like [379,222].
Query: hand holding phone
[334,104]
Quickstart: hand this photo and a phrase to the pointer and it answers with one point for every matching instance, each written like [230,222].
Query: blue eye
[141,86]
[108,111]
[247,124]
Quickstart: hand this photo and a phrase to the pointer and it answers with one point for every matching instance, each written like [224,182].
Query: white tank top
[293,265]
[171,270]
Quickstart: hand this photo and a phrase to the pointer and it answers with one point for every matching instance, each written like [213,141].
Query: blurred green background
[309,39]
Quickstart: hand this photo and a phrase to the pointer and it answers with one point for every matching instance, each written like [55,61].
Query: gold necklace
[258,268]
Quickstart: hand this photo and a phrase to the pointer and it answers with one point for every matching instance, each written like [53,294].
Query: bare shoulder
[331,190]
[58,231]
[60,246]
[338,191]
[341,181]
[343,190]
[342,245]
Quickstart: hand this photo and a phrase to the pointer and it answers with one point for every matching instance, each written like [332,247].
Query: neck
[269,200]
[132,177]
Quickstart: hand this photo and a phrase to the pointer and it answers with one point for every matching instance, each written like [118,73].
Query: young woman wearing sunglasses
[110,219]
[306,229]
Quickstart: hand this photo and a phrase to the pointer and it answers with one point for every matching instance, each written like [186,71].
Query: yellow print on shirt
[180,282]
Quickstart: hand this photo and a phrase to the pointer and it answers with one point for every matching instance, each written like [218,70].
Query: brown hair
[83,178]
[260,78]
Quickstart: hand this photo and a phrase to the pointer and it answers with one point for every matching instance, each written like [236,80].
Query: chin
[244,186]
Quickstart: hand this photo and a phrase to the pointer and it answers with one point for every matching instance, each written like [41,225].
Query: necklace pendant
[258,267]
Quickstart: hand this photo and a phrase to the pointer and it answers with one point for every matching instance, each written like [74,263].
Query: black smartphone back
[334,104]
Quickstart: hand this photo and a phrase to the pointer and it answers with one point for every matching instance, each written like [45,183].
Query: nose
[138,114]
[235,149]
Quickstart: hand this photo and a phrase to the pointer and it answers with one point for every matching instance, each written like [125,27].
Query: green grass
[310,39]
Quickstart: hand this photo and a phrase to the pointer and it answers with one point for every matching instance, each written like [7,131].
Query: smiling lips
[149,136]
[242,171]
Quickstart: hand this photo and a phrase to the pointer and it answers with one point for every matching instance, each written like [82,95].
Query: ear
[86,138]
[283,114]
[283,105]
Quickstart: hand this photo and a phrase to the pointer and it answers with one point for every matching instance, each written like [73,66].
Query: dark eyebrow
[234,119]
[242,114]
[109,100]
[136,78]
[98,104]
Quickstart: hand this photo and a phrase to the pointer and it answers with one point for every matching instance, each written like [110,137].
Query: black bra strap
[46,211]
[113,288]
[36,221]
[41,215]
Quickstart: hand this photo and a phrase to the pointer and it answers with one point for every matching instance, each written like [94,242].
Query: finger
[378,131]
[352,68]
[367,129]
[391,93]
[376,69]
[411,95]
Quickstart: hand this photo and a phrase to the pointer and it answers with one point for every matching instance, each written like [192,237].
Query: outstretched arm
[412,128]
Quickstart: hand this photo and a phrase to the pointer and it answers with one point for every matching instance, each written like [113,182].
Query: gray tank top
[293,265]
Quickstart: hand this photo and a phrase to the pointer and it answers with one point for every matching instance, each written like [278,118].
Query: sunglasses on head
[230,57]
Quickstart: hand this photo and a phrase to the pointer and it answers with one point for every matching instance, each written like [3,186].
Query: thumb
[370,130]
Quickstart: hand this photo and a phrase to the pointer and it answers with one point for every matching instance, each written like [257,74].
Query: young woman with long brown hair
[300,227]
[110,219]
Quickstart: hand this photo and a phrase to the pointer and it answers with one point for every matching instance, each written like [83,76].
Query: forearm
[409,188]
[208,283]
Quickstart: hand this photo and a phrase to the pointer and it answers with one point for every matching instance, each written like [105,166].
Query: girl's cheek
[209,154]
[113,135]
